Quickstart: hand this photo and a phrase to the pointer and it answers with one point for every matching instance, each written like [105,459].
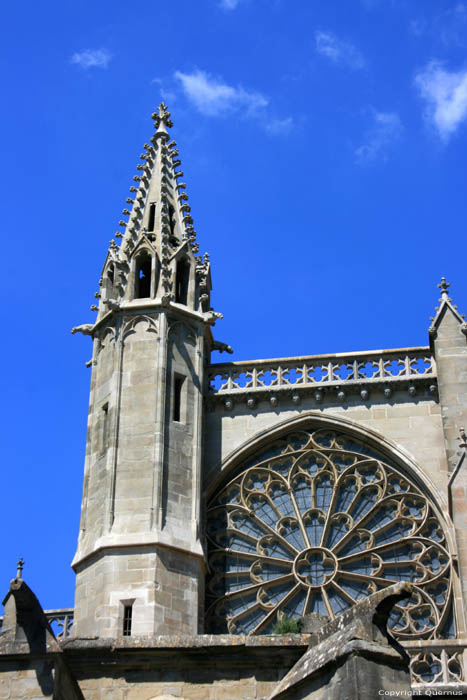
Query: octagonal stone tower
[140,561]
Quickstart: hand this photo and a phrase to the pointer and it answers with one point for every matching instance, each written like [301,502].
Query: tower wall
[450,349]
[139,543]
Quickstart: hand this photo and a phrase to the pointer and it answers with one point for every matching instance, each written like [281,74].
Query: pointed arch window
[143,274]
[182,281]
[315,522]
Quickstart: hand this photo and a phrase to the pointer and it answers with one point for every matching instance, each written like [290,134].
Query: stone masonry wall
[165,587]
[27,681]
[177,685]
[205,667]
[413,424]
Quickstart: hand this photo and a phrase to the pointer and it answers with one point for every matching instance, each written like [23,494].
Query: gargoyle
[222,347]
[112,304]
[85,329]
[212,316]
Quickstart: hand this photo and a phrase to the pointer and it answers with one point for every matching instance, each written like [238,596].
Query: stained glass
[315,523]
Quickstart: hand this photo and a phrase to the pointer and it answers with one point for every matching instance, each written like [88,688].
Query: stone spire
[444,306]
[159,179]
[157,220]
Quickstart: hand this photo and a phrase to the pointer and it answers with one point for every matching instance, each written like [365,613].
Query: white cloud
[338,51]
[212,97]
[445,95]
[447,26]
[91,58]
[386,128]
[279,126]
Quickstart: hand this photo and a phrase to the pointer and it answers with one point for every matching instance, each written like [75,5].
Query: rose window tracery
[316,522]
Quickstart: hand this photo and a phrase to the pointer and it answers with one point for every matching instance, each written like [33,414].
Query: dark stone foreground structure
[351,656]
[223,499]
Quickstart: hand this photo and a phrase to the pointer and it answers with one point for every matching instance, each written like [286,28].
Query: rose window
[316,522]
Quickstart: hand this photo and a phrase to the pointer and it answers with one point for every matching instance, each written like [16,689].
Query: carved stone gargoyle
[353,657]
[222,347]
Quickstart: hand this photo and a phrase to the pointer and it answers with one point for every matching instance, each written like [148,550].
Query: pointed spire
[156,221]
[445,303]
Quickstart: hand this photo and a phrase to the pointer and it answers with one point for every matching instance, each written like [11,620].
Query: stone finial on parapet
[356,645]
[444,287]
[445,304]
[19,568]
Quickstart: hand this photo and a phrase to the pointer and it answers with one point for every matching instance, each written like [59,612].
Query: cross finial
[20,565]
[162,119]
[444,286]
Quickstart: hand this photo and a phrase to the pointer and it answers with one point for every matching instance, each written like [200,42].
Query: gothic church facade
[220,499]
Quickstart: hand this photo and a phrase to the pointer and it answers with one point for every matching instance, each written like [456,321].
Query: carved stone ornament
[85,329]
[149,325]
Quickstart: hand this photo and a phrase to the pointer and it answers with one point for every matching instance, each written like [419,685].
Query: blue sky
[323,146]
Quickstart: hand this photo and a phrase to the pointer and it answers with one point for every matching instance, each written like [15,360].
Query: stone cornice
[150,539]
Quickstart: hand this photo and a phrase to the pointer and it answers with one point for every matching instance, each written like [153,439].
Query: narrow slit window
[152,216]
[105,426]
[177,402]
[182,281]
[143,276]
[127,620]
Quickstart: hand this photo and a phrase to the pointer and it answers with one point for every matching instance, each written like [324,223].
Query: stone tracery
[317,522]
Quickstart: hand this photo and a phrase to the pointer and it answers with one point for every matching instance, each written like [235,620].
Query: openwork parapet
[407,366]
[438,665]
[60,620]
